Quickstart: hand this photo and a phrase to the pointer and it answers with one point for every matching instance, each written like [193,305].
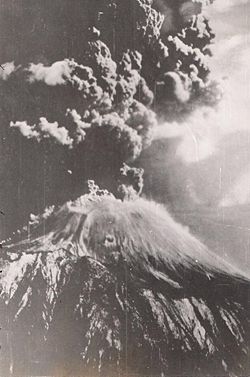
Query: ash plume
[163,75]
[109,284]
[111,122]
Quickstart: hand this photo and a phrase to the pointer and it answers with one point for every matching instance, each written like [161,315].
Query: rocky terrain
[108,288]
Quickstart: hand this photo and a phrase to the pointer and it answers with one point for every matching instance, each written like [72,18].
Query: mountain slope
[110,288]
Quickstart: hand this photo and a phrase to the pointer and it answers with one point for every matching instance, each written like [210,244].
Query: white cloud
[56,74]
[44,130]
[198,135]
[60,134]
[27,131]
[7,69]
[77,119]
[79,132]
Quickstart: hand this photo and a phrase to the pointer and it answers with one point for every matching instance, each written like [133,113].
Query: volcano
[101,287]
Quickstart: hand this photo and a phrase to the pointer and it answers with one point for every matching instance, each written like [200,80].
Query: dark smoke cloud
[130,182]
[129,65]
[111,123]
[109,138]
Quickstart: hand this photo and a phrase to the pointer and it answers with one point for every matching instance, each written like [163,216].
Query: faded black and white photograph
[124,188]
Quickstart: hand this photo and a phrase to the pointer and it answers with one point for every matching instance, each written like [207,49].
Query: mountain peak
[115,288]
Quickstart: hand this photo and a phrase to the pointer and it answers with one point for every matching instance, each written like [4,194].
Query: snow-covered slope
[109,288]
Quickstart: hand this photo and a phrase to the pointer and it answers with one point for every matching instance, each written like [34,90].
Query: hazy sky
[230,20]
[224,132]
[206,176]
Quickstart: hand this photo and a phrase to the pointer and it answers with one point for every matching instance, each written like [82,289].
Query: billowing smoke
[118,79]
[131,182]
[101,104]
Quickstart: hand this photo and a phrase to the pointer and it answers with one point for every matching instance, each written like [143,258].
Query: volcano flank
[103,287]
